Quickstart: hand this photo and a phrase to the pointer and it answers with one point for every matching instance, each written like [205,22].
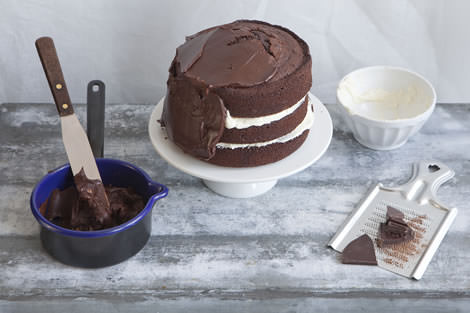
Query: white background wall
[129,44]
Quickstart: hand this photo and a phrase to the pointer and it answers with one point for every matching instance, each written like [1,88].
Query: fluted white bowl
[384,106]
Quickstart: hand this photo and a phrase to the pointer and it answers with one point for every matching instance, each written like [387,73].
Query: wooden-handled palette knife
[74,137]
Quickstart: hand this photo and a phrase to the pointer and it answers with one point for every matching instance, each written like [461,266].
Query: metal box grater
[417,200]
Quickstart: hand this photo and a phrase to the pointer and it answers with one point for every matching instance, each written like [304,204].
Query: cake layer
[268,98]
[305,124]
[255,156]
[268,131]
[245,122]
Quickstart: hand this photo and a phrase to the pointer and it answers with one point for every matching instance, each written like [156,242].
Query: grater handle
[427,177]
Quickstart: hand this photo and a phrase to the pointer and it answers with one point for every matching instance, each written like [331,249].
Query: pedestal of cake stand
[239,190]
[248,181]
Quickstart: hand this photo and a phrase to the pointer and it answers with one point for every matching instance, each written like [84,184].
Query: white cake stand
[248,181]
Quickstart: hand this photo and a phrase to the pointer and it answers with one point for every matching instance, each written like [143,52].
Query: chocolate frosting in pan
[69,209]
[59,206]
[93,192]
[240,54]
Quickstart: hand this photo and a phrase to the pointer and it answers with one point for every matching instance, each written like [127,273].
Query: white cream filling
[245,122]
[306,124]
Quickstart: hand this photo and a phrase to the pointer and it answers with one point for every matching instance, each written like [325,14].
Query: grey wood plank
[208,305]
[226,266]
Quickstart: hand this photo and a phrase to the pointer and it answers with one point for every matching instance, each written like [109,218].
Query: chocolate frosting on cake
[240,54]
[229,57]
[232,66]
[76,208]
[194,117]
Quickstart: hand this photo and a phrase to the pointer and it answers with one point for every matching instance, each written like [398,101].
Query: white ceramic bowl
[383,105]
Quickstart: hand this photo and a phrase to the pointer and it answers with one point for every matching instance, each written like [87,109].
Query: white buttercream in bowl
[381,103]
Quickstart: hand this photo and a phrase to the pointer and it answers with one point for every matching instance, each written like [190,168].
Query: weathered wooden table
[213,254]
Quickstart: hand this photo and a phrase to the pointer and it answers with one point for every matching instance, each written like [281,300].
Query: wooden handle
[51,65]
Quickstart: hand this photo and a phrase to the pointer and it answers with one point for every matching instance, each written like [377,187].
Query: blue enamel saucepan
[99,248]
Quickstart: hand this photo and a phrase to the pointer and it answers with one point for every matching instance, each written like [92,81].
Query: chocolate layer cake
[237,94]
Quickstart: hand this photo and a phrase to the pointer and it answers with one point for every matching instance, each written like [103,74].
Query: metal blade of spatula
[423,213]
[74,137]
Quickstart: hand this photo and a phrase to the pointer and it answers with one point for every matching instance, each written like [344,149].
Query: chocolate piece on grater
[360,251]
[394,230]
[395,215]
